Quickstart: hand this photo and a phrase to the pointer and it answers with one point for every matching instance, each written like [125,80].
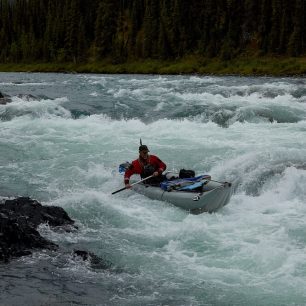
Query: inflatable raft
[197,195]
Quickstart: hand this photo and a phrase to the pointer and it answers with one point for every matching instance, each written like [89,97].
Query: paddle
[132,184]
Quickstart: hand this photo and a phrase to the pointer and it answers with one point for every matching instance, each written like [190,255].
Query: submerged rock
[95,261]
[4,98]
[27,97]
[19,219]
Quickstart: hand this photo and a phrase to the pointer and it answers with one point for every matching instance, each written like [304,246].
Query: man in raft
[146,165]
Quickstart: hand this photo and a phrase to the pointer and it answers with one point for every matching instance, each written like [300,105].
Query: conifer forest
[83,31]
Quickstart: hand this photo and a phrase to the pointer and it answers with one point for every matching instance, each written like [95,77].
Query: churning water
[61,140]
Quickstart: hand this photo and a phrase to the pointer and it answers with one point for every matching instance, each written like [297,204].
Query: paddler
[145,165]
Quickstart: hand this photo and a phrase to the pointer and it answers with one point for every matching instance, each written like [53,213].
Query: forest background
[154,36]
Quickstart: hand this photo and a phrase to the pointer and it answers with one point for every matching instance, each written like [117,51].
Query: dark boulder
[36,213]
[19,219]
[18,238]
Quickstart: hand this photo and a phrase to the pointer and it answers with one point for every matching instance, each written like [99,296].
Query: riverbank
[248,66]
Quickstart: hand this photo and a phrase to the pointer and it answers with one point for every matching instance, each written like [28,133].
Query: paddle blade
[123,167]
[119,190]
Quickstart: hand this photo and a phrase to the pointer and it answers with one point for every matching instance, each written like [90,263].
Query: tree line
[79,30]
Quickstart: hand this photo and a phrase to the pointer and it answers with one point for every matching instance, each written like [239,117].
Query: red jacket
[137,167]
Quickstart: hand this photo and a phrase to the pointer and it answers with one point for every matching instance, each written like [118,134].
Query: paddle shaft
[124,188]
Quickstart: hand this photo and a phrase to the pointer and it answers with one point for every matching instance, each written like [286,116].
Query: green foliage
[123,31]
[283,66]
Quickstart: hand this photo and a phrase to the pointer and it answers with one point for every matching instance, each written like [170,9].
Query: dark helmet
[143,148]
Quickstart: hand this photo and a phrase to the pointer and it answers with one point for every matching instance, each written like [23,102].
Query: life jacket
[144,168]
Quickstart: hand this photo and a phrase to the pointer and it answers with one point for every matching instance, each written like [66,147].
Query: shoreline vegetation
[243,66]
[216,37]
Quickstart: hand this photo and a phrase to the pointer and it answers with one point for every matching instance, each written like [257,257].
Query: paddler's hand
[156,173]
[128,186]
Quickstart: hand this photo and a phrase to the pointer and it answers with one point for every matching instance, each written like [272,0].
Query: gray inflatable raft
[212,196]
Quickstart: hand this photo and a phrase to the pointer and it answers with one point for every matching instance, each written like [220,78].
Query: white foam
[253,246]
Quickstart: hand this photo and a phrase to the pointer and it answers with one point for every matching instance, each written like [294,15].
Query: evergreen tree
[150,28]
[136,19]
[79,30]
[296,42]
[286,27]
[164,47]
[265,25]
[106,27]
[274,37]
[5,31]
[233,16]
[72,31]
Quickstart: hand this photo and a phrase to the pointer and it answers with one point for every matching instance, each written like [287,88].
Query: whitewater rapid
[62,138]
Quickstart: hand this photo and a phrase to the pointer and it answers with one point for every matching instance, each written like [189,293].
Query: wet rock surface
[95,261]
[4,98]
[19,219]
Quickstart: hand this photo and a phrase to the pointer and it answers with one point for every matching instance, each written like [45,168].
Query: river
[61,140]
